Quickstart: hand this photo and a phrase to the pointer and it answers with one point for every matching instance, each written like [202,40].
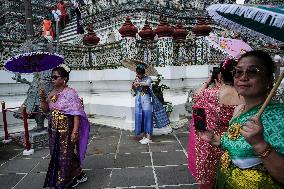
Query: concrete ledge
[106,93]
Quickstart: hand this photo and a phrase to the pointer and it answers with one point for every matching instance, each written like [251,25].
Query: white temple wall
[106,93]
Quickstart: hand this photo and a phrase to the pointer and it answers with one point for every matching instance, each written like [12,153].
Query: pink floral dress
[203,158]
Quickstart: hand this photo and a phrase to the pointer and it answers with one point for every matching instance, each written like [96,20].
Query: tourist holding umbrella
[143,106]
[68,124]
[68,129]
[253,143]
[147,104]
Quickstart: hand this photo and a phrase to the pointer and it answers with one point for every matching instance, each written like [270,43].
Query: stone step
[71,24]
[69,39]
[66,35]
[68,29]
[69,33]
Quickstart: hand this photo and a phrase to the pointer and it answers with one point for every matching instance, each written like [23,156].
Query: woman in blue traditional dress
[254,147]
[68,129]
[147,106]
[143,105]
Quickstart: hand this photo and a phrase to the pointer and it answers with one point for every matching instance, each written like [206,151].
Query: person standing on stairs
[78,13]
[64,15]
[48,32]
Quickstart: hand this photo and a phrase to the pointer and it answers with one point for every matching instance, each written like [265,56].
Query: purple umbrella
[33,62]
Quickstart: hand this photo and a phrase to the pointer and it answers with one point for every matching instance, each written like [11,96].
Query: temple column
[129,49]
[202,51]
[164,43]
[179,37]
[147,35]
[128,32]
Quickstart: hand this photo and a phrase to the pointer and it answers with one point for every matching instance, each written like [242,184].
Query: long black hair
[140,68]
[226,69]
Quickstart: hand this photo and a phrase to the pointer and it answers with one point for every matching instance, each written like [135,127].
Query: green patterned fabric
[266,29]
[273,123]
[276,9]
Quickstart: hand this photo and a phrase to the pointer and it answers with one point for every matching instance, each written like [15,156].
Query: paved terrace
[114,160]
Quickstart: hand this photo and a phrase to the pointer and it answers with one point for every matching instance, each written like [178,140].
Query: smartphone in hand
[215,73]
[199,117]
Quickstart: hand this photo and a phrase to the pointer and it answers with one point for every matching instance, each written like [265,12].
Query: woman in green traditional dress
[254,148]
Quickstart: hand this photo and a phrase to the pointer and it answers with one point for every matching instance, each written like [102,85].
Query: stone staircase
[69,33]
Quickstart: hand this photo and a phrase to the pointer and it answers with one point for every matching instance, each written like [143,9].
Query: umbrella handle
[266,102]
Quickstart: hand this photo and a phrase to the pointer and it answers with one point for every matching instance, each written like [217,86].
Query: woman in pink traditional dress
[219,102]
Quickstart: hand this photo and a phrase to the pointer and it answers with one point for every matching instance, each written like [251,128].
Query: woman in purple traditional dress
[68,129]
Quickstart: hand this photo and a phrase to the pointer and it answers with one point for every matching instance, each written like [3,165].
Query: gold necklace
[55,96]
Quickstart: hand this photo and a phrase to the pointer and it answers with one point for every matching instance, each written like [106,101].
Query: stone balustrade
[109,55]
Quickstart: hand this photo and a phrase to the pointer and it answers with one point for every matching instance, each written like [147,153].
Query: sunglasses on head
[250,72]
[55,77]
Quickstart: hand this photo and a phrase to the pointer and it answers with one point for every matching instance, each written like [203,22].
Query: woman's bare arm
[272,160]
[43,101]
[252,131]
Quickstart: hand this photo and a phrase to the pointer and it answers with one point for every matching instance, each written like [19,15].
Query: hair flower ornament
[226,63]
[65,67]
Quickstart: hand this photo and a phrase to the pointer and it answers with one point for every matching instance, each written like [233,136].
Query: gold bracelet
[75,132]
[265,152]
